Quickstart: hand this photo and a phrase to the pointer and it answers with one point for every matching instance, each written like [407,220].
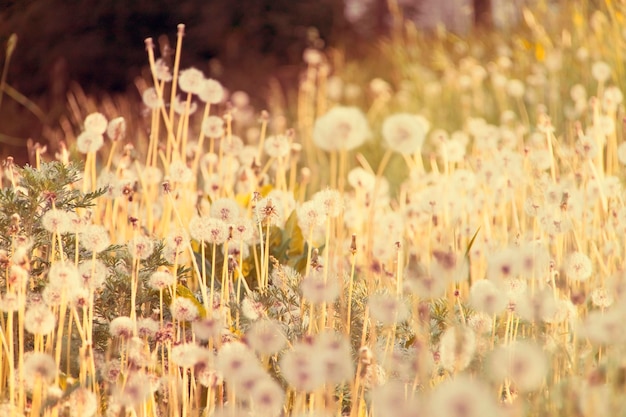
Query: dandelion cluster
[445,240]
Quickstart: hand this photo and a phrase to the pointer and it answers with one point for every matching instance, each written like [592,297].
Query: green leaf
[293,234]
[467,251]
[471,243]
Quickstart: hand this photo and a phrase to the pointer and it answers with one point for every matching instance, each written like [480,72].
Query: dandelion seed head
[601,71]
[487,298]
[601,297]
[110,182]
[537,307]
[418,282]
[209,230]
[252,309]
[485,135]
[605,125]
[300,369]
[179,172]
[335,356]
[110,370]
[503,265]
[51,295]
[534,260]
[135,391]
[266,337]
[452,151]
[361,179]
[21,252]
[57,221]
[540,159]
[612,98]
[93,274]
[147,327]
[208,377]
[18,276]
[463,397]
[39,365]
[234,360]
[603,328]
[63,276]
[277,146]
[464,179]
[7,409]
[162,70]
[449,266]
[83,403]
[116,129]
[94,238]
[160,280]
[246,383]
[414,363]
[96,123]
[191,80]
[565,311]
[316,290]
[515,88]
[232,146]
[267,398]
[176,240]
[89,141]
[312,56]
[523,363]
[457,347]
[209,327]
[554,221]
[388,309]
[268,212]
[122,327]
[240,99]
[184,309]
[578,267]
[334,88]
[78,297]
[211,91]
[611,186]
[404,133]
[39,320]
[243,230]
[480,323]
[187,355]
[587,147]
[180,107]
[225,209]
[514,289]
[330,201]
[232,411]
[213,127]
[151,99]
[140,247]
[532,207]
[341,128]
[311,215]
[390,399]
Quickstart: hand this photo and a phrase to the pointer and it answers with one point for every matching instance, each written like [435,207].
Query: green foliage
[286,245]
[36,192]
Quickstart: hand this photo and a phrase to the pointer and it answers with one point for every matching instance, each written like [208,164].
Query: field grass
[437,230]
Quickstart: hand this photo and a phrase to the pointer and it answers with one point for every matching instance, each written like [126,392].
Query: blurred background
[99,45]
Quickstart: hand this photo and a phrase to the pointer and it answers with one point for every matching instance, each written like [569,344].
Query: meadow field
[437,230]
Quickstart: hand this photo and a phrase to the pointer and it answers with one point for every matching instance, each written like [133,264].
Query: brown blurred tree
[482,13]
